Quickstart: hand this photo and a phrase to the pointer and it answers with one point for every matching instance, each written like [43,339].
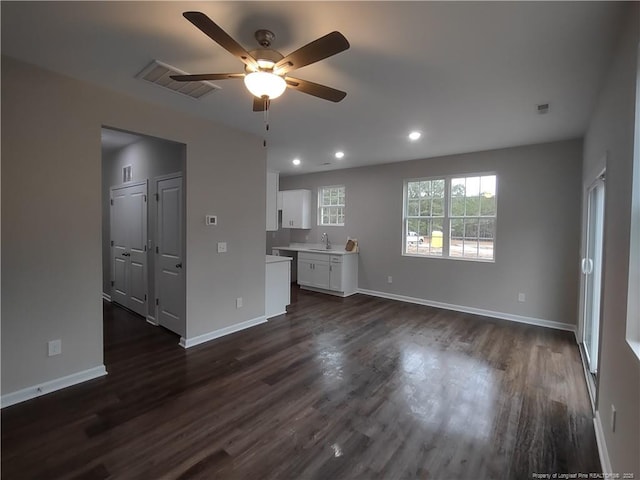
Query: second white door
[129,247]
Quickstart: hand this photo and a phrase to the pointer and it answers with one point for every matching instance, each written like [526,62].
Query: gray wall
[149,158]
[51,219]
[611,132]
[537,240]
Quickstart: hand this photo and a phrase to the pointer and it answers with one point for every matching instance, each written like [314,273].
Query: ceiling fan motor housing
[264,38]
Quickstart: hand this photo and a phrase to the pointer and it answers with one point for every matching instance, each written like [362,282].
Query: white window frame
[633,303]
[322,206]
[405,217]
[446,224]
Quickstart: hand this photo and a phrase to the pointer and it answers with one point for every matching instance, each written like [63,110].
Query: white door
[129,247]
[170,285]
[592,273]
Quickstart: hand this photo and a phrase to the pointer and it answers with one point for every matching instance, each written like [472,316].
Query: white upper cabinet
[272,201]
[296,209]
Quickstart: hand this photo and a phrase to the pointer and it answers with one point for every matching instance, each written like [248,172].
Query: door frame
[591,379]
[156,276]
[139,183]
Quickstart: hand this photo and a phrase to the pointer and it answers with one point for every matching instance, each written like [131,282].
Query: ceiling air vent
[543,108]
[159,73]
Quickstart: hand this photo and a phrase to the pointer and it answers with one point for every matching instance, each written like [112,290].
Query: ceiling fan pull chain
[266,119]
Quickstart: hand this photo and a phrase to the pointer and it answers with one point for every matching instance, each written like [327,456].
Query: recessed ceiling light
[414,136]
[339,154]
[296,161]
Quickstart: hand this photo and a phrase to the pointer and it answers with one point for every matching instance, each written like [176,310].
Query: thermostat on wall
[211,220]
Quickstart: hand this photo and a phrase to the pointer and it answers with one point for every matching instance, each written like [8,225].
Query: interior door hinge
[157,249]
[144,198]
[157,301]
[112,243]
[112,283]
[111,201]
[157,197]
[145,297]
[145,248]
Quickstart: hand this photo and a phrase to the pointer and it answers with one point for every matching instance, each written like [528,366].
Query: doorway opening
[591,270]
[143,225]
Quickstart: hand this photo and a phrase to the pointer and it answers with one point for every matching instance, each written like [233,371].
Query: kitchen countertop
[314,248]
[276,258]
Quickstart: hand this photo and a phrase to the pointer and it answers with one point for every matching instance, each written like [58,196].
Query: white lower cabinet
[277,285]
[313,273]
[335,274]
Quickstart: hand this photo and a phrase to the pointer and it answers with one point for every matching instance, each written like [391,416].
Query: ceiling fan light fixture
[265,64]
[265,84]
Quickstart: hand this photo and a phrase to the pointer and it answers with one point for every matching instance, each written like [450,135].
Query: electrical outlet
[389,279]
[239,302]
[55,347]
[613,418]
[522,297]
[222,247]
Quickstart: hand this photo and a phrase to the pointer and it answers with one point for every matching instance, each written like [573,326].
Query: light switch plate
[54,347]
[211,220]
[222,247]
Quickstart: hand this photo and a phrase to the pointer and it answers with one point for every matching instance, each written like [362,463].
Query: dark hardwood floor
[360,387]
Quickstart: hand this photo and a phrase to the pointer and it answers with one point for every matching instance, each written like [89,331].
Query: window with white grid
[450,217]
[331,205]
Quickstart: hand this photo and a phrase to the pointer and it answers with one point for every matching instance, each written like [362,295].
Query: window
[331,205]
[451,217]
[424,217]
[633,303]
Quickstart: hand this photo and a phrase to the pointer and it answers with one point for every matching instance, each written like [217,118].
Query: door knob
[178,265]
[125,254]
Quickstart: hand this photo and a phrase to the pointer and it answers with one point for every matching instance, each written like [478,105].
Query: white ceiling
[468,75]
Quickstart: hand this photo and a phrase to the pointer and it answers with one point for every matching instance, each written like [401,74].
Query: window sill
[635,347]
[463,259]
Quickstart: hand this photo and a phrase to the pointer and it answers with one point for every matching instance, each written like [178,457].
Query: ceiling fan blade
[317,50]
[315,89]
[222,38]
[260,104]
[205,76]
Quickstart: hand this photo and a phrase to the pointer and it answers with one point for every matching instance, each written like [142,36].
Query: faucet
[325,239]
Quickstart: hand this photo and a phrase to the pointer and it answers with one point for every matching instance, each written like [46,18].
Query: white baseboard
[152,320]
[106,296]
[221,332]
[605,463]
[51,386]
[477,311]
[276,314]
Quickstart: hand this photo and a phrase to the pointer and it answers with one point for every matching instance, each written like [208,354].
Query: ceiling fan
[266,70]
